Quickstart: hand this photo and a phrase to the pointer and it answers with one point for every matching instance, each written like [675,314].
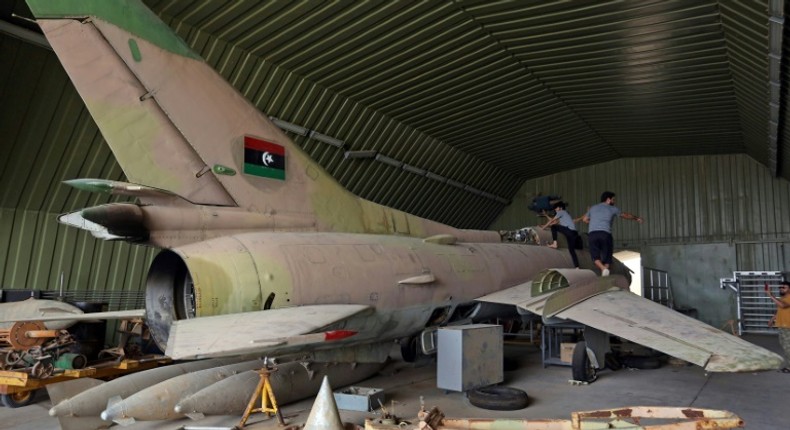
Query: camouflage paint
[149,97]
[131,15]
[168,117]
[136,129]
[234,273]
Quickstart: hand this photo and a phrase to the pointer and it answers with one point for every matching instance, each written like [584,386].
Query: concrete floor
[760,399]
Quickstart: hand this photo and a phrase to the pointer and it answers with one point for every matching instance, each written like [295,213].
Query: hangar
[459,112]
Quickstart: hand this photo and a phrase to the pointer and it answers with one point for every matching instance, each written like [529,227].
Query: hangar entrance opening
[632,260]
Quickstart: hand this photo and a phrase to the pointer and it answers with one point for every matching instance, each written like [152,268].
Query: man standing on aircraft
[600,241]
[781,319]
[563,223]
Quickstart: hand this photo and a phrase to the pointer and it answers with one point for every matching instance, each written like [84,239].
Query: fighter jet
[263,252]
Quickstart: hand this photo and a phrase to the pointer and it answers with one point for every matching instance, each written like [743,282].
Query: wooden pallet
[18,382]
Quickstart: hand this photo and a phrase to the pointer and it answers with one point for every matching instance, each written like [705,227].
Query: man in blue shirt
[564,223]
[599,238]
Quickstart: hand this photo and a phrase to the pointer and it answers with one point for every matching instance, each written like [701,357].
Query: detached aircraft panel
[57,315]
[253,332]
[92,316]
[631,317]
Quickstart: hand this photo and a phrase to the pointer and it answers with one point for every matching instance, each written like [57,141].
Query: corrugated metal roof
[515,84]
[483,93]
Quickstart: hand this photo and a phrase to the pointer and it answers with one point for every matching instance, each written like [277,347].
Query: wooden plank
[13,378]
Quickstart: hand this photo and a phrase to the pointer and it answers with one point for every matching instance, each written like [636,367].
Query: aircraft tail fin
[176,126]
[172,122]
[105,48]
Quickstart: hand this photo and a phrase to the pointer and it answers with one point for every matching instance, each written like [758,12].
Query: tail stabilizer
[174,124]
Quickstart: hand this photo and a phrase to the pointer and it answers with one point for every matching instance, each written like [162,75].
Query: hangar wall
[706,216]
[48,137]
[36,250]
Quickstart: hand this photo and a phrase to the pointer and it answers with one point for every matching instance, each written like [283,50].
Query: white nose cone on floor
[324,415]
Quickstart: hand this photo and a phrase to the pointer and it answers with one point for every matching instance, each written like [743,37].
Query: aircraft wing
[605,304]
[647,323]
[555,289]
[255,332]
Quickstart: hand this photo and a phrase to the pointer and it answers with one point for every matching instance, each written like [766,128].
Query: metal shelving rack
[552,336]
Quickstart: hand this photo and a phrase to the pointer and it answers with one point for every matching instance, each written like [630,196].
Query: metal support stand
[268,402]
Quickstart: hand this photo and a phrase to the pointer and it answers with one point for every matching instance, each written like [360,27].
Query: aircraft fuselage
[404,279]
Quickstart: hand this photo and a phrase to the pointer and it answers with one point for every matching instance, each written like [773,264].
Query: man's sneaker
[605,272]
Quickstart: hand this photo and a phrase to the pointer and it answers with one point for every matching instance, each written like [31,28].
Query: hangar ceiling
[474,96]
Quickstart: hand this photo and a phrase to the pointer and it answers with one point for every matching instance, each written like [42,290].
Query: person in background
[543,204]
[781,320]
[599,237]
[563,223]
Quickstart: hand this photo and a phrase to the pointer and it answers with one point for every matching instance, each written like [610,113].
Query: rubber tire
[641,362]
[580,364]
[612,362]
[498,398]
[18,400]
[408,349]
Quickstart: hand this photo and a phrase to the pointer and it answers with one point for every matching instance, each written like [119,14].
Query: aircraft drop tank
[156,402]
[291,382]
[93,401]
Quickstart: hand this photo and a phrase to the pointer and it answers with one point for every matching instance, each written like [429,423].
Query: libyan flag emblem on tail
[262,158]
